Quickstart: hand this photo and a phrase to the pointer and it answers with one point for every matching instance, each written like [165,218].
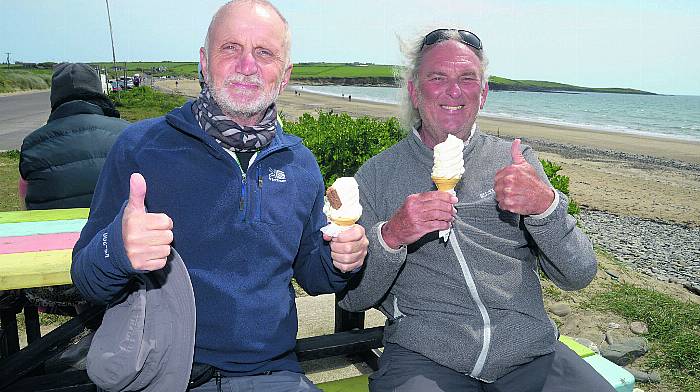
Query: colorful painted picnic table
[36,246]
[35,251]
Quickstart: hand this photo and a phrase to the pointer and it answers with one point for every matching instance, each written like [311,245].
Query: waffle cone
[344,221]
[445,184]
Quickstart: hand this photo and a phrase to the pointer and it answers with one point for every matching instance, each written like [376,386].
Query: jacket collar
[183,120]
[72,108]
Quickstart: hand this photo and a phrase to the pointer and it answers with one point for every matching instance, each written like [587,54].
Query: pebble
[614,336]
[639,328]
[625,352]
[644,377]
[587,343]
[561,309]
[612,274]
[667,251]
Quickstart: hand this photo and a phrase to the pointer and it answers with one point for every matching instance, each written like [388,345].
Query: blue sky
[651,45]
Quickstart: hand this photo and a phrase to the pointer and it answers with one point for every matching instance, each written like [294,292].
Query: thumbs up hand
[146,236]
[519,189]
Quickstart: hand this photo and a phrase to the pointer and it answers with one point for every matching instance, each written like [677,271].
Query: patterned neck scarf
[228,133]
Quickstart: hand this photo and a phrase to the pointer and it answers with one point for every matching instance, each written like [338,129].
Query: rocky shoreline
[636,160]
[667,251]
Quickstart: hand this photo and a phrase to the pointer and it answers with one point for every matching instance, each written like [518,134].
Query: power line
[8,59]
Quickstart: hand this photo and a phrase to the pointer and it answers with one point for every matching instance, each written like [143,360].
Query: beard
[248,107]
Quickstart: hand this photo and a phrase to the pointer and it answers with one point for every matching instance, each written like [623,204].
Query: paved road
[20,115]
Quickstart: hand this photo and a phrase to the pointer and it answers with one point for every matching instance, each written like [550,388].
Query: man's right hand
[146,236]
[419,215]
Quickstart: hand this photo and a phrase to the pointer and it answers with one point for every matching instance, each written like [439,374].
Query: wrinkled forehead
[247,17]
[450,54]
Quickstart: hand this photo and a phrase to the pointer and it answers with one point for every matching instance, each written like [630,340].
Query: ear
[285,78]
[484,93]
[413,92]
[203,61]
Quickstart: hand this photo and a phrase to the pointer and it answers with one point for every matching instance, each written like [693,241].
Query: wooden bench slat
[38,243]
[339,343]
[35,269]
[31,357]
[48,227]
[43,215]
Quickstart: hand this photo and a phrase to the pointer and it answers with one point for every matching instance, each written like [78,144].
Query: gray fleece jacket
[473,304]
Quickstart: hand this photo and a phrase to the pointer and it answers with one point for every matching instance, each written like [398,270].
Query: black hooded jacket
[61,161]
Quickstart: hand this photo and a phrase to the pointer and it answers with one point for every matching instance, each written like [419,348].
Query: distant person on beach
[239,199]
[465,310]
[349,98]
[60,162]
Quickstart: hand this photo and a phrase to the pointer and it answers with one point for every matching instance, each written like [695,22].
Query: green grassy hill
[496,83]
[167,68]
[17,79]
[308,73]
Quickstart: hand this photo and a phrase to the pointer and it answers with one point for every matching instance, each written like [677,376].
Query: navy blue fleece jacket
[242,236]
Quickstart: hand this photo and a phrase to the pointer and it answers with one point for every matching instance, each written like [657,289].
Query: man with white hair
[238,198]
[465,312]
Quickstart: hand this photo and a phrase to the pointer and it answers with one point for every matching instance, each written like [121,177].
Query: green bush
[560,183]
[144,102]
[342,144]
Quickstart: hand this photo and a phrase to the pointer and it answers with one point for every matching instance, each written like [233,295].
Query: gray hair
[287,34]
[413,54]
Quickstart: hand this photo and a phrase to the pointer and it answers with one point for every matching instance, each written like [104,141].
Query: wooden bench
[35,250]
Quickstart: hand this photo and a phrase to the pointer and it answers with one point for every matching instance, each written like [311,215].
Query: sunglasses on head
[439,35]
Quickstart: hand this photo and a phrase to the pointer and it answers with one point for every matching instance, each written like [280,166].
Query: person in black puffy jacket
[61,161]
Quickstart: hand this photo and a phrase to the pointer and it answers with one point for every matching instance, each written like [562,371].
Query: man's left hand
[518,187]
[349,248]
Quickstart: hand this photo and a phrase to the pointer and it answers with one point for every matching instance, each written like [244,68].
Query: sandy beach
[654,178]
[630,175]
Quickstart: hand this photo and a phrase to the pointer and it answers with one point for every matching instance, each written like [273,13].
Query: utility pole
[111,36]
[8,59]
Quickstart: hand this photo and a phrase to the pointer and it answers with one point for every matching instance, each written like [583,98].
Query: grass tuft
[9,177]
[674,329]
[20,80]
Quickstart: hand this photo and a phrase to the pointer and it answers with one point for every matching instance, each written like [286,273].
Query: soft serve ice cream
[343,202]
[448,163]
[448,167]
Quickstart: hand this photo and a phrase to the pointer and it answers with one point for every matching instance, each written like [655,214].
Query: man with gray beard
[238,198]
[465,312]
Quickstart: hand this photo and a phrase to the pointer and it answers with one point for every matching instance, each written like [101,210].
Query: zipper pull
[242,201]
[260,182]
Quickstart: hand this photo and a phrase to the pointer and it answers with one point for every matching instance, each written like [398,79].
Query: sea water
[671,116]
